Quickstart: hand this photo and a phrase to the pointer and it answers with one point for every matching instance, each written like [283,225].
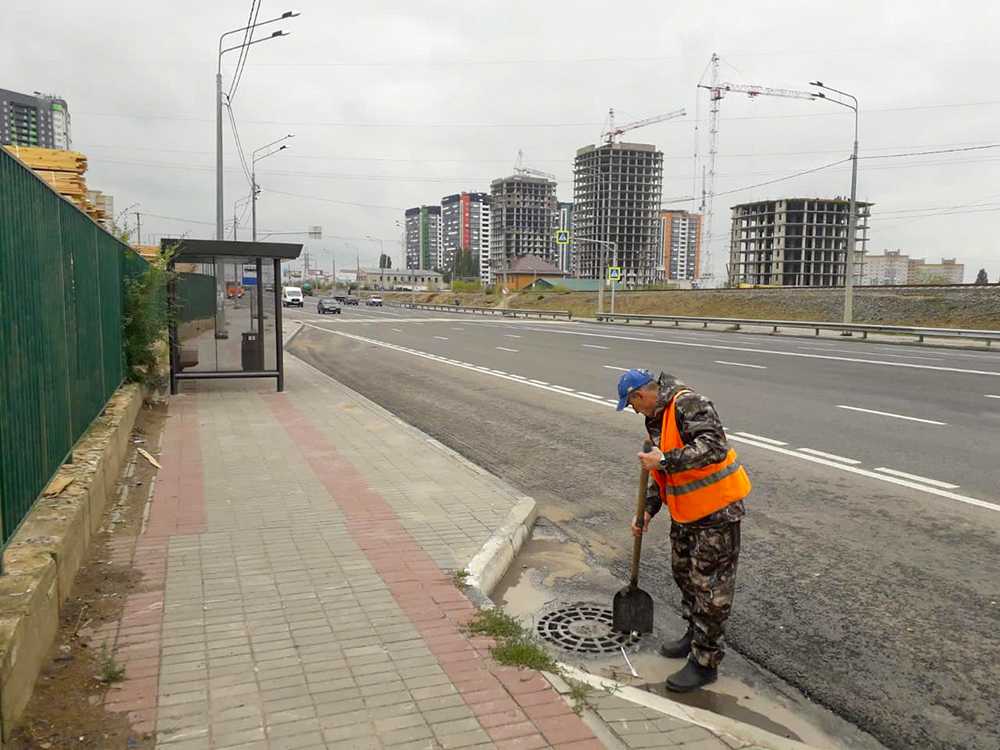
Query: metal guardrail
[503,312]
[863,328]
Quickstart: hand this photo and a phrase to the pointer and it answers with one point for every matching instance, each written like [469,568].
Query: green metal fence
[60,332]
[195,297]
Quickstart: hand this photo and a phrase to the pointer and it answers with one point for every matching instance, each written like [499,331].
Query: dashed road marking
[612,367]
[768,440]
[739,364]
[918,478]
[593,346]
[505,349]
[831,456]
[443,338]
[891,414]
[990,395]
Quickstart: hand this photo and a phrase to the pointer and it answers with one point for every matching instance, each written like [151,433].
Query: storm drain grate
[582,629]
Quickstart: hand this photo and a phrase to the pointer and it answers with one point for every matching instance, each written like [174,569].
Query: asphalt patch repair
[67,708]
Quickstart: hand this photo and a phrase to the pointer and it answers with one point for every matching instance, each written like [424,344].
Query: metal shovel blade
[632,611]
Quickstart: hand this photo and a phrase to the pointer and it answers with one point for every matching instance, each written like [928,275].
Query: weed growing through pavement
[110,670]
[460,578]
[578,692]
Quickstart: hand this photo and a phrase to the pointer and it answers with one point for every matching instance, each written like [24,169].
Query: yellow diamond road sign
[562,236]
[614,273]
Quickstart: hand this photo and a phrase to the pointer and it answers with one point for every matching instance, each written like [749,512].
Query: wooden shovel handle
[640,519]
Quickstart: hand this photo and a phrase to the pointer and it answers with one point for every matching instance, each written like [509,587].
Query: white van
[291,296]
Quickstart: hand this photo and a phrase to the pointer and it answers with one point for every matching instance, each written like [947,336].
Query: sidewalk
[297,590]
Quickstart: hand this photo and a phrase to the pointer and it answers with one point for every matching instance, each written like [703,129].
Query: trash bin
[251,352]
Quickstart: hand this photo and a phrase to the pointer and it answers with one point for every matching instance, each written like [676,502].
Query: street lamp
[218,106]
[253,176]
[852,219]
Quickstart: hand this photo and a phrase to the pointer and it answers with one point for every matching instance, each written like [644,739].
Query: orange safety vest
[693,494]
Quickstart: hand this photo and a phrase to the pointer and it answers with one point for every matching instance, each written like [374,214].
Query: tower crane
[519,168]
[716,91]
[616,130]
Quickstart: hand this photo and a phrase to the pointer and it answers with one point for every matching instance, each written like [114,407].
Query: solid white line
[512,335]
[990,395]
[612,367]
[594,346]
[505,349]
[855,351]
[443,338]
[537,382]
[918,478]
[736,438]
[771,441]
[519,377]
[865,473]
[739,364]
[831,456]
[565,388]
[910,365]
[592,395]
[397,330]
[890,414]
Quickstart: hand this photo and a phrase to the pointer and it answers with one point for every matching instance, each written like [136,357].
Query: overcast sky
[397,104]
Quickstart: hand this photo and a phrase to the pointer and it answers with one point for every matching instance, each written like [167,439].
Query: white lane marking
[443,338]
[855,351]
[831,456]
[505,349]
[593,346]
[990,395]
[457,329]
[592,395]
[739,364]
[537,382]
[870,474]
[398,330]
[891,414]
[918,478]
[911,365]
[770,441]
[736,438]
[612,367]
[565,388]
[512,335]
[519,377]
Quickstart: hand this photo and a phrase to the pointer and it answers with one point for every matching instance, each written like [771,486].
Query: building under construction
[525,216]
[616,198]
[795,242]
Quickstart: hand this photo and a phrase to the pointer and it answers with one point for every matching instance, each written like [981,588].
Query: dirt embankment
[945,307]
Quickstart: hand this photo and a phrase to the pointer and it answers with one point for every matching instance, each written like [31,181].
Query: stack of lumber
[63,171]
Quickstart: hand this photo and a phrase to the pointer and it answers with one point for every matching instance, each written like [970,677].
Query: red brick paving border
[500,697]
[178,507]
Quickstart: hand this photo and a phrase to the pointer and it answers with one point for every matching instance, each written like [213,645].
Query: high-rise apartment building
[565,252]
[681,235]
[795,242]
[892,267]
[423,237]
[525,216]
[616,198]
[465,235]
[37,120]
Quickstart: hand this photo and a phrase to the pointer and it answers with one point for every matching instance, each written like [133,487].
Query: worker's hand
[651,460]
[636,530]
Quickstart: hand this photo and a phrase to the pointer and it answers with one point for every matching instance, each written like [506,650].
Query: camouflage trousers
[704,563]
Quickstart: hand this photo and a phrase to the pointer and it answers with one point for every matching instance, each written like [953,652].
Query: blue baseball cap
[628,382]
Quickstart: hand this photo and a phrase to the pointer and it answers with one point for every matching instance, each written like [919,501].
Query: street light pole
[852,219]
[253,177]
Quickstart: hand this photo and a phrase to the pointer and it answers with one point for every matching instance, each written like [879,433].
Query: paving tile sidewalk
[297,591]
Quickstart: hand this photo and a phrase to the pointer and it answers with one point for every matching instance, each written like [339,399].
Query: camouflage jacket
[704,443]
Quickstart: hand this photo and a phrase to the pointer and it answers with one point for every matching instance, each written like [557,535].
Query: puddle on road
[552,571]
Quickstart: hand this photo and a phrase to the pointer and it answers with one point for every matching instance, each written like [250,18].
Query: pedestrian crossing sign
[562,236]
[614,273]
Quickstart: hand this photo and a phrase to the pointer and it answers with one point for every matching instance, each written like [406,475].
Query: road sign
[562,236]
[249,281]
[614,273]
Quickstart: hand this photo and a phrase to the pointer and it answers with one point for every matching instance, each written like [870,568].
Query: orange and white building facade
[680,258]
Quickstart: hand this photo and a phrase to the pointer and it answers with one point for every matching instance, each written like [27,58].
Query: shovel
[632,608]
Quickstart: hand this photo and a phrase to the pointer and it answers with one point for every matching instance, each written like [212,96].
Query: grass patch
[460,578]
[496,623]
[524,652]
[578,694]
[109,670]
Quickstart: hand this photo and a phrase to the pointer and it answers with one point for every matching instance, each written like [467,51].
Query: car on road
[374,302]
[351,301]
[291,296]
[328,305]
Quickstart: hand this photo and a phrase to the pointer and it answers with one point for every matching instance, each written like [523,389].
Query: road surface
[869,578]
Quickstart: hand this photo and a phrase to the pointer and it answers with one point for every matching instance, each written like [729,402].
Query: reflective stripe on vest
[692,494]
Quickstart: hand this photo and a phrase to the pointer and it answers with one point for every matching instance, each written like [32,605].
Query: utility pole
[138,228]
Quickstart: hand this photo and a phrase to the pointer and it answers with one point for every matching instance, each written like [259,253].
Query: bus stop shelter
[225,302]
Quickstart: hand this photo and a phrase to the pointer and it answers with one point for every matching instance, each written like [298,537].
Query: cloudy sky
[397,104]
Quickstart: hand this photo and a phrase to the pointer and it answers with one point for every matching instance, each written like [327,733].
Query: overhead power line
[245,49]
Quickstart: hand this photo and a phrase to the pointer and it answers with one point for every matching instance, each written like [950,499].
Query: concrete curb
[494,558]
[724,727]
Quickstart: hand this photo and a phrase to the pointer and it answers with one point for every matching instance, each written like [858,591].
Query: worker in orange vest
[699,477]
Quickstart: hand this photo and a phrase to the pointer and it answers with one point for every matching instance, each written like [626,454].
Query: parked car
[328,305]
[351,301]
[374,302]
[291,296]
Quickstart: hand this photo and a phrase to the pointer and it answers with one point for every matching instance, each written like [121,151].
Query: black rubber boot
[692,677]
[677,649]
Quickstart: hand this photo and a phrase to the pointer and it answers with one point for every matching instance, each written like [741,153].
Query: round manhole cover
[582,629]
